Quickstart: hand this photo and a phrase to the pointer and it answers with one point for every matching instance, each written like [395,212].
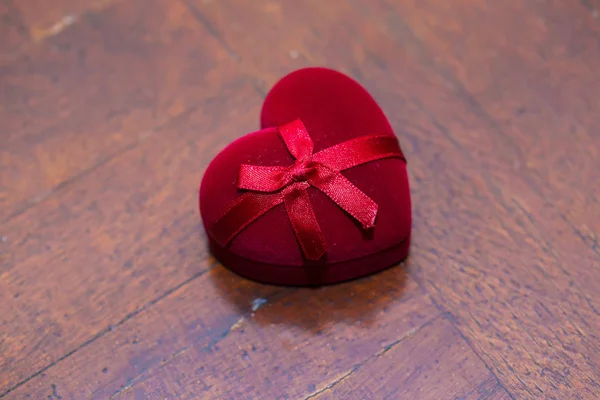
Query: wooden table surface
[111,110]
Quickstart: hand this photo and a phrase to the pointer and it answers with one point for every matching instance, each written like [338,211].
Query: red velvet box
[276,221]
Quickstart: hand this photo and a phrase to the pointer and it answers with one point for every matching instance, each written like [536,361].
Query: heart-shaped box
[277,214]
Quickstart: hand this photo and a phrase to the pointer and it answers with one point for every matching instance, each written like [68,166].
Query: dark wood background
[111,110]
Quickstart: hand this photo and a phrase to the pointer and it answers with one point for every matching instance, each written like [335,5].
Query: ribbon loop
[296,138]
[270,186]
[262,179]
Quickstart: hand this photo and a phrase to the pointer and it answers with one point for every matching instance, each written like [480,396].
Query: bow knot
[269,186]
[300,171]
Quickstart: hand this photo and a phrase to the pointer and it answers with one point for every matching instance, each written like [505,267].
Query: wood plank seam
[222,336]
[546,248]
[205,22]
[508,205]
[554,257]
[214,32]
[77,177]
[453,320]
[285,292]
[112,327]
[378,354]
[118,152]
[589,241]
[488,119]
[448,316]
[488,181]
[478,110]
[481,113]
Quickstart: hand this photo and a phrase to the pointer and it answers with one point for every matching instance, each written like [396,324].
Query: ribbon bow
[269,186]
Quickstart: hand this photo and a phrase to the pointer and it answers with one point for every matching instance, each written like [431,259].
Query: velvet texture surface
[334,109]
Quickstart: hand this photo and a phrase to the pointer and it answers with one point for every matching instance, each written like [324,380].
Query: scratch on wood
[40,34]
[55,29]
[133,381]
[258,303]
[372,357]
[55,392]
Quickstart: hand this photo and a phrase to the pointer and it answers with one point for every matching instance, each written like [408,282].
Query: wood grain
[106,288]
[47,249]
[569,271]
[533,100]
[436,364]
[69,281]
[97,89]
[246,327]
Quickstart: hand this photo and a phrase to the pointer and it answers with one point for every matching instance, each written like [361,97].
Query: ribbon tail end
[370,223]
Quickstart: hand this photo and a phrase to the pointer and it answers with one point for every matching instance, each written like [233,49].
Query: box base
[311,275]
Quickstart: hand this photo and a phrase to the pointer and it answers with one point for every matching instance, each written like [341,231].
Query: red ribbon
[270,186]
